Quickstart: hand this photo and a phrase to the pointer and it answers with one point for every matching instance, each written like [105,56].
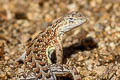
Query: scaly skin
[37,57]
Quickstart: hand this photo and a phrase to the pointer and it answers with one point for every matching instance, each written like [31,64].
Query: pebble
[2,75]
[99,27]
[117,28]
[80,58]
[7,58]
[112,45]
[91,34]
[48,18]
[89,64]
[93,3]
[72,7]
[100,69]
[101,44]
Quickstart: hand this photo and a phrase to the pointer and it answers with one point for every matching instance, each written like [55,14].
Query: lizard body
[37,61]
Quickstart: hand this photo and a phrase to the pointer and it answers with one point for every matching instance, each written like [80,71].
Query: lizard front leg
[65,71]
[59,53]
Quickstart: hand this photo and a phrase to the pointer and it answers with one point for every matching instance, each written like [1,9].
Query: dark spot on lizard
[29,58]
[42,63]
[45,69]
[39,75]
[48,75]
[37,70]
[35,50]
[38,58]
[33,64]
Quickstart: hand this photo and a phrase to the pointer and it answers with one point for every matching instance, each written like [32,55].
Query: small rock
[3,75]
[72,7]
[108,29]
[99,27]
[100,70]
[112,45]
[91,34]
[6,58]
[48,18]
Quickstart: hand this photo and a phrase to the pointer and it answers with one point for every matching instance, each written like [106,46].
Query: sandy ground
[93,48]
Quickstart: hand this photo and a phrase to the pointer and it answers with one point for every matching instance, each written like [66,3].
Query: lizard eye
[71,20]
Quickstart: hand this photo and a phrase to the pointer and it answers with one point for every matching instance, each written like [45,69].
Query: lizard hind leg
[65,72]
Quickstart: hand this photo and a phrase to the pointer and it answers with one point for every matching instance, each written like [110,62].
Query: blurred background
[94,48]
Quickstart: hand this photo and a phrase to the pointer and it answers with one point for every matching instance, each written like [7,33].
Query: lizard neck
[58,33]
[57,27]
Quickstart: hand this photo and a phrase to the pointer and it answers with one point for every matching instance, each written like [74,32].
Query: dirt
[93,48]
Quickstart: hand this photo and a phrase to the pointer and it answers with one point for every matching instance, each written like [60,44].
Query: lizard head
[69,21]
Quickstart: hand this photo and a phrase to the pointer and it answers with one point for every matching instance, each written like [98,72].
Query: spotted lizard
[37,57]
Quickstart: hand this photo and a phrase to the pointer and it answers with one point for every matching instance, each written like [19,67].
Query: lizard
[37,57]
